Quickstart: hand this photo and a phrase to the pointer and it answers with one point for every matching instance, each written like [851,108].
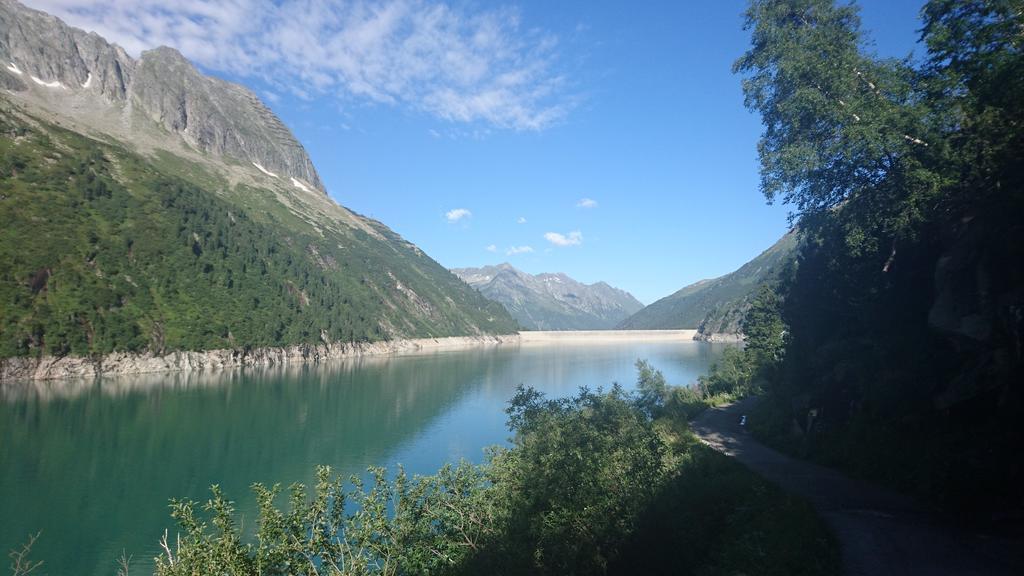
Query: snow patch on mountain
[300,185]
[54,84]
[264,170]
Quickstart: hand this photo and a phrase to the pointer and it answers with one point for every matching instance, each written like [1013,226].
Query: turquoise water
[92,466]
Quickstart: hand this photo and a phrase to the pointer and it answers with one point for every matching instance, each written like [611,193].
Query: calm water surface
[92,466]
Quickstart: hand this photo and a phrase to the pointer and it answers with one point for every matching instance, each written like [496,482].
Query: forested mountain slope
[717,306]
[147,207]
[103,250]
[159,100]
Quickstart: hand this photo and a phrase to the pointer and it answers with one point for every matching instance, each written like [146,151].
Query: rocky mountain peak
[57,67]
[551,301]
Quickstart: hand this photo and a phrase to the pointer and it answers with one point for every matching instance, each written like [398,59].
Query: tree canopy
[905,178]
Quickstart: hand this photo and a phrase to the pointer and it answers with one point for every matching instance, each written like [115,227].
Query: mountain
[145,207]
[551,301]
[716,306]
[98,86]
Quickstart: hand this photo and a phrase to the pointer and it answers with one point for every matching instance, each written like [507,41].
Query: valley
[357,288]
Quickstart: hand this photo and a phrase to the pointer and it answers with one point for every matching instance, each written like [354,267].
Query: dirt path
[880,532]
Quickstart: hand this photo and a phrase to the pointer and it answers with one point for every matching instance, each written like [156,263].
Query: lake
[92,466]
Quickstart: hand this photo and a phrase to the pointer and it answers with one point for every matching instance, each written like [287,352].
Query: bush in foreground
[592,484]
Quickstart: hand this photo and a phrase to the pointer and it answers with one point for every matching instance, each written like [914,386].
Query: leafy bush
[652,390]
[731,375]
[420,526]
[590,485]
[578,475]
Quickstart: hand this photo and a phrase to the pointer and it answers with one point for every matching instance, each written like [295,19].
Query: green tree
[651,389]
[763,329]
[908,183]
[841,128]
[732,374]
[580,472]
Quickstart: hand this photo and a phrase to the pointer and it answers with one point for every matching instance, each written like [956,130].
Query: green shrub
[590,485]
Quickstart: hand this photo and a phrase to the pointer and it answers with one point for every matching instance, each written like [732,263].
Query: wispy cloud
[586,203]
[491,248]
[457,214]
[462,63]
[574,238]
[518,250]
[521,220]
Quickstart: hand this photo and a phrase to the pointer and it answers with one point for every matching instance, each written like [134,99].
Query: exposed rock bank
[731,337]
[51,367]
[556,336]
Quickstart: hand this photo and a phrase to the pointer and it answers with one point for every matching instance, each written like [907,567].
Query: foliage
[902,354]
[423,525]
[684,403]
[732,374]
[837,123]
[103,250]
[581,470]
[719,518]
[652,390]
[742,371]
[763,329]
[590,485]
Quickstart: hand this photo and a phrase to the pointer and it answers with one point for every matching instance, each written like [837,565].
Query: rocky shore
[730,337]
[555,336]
[119,363]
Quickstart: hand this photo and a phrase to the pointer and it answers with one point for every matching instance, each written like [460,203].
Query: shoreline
[129,363]
[556,336]
[14,370]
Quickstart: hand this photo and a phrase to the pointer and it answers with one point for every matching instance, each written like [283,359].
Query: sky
[606,140]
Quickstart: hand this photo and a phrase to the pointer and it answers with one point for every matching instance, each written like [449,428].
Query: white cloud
[586,203]
[518,250]
[459,62]
[491,248]
[457,214]
[521,220]
[574,238]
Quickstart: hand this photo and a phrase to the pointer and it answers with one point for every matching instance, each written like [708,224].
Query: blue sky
[606,140]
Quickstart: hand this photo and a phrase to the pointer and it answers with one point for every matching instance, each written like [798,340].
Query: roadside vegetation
[604,482]
[901,351]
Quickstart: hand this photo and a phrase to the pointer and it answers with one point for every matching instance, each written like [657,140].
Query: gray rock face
[41,45]
[551,301]
[209,114]
[216,116]
[51,367]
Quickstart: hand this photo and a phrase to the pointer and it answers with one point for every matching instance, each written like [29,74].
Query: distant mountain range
[551,301]
[716,307]
[146,207]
